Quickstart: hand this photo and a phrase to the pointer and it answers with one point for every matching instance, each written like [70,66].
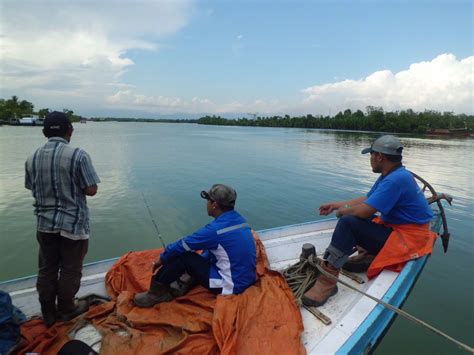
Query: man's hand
[90,190]
[328,208]
[156,265]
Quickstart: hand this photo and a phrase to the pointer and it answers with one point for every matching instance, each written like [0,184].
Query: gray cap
[387,144]
[224,195]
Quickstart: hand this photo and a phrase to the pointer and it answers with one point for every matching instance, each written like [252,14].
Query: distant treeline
[13,108]
[374,119]
[131,119]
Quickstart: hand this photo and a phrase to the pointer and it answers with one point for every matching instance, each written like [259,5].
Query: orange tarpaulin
[405,243]
[263,320]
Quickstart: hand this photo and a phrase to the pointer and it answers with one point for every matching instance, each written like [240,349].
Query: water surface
[281,177]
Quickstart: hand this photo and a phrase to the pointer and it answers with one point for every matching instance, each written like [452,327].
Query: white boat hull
[357,321]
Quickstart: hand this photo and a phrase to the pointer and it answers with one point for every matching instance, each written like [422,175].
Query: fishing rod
[153,220]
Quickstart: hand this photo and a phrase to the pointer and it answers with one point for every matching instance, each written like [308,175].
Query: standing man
[60,177]
[228,263]
[401,233]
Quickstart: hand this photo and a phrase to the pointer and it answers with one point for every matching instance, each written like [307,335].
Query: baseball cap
[56,124]
[387,144]
[224,195]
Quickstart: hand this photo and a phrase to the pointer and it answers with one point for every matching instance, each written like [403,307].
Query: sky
[172,58]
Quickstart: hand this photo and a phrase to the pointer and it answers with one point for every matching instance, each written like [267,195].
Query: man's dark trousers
[60,270]
[353,231]
[194,264]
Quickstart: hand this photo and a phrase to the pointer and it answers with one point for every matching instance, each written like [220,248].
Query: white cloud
[60,47]
[119,96]
[238,44]
[128,100]
[158,101]
[443,84]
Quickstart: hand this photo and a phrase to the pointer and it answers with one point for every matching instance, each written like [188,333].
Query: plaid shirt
[57,175]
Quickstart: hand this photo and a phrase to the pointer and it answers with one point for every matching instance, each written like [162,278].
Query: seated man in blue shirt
[228,263]
[395,195]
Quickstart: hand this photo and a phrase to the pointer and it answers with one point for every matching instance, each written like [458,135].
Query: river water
[281,177]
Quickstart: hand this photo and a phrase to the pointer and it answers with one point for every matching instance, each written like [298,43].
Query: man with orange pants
[401,233]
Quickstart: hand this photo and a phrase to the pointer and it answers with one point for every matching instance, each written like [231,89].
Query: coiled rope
[299,279]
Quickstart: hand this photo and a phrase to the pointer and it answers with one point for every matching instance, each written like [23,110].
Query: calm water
[281,176]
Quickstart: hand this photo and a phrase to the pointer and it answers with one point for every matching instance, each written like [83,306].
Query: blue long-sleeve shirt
[228,242]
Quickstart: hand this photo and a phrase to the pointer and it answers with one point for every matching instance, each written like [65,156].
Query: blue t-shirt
[228,243]
[399,199]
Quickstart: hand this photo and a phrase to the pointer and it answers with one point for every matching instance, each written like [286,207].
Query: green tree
[25,107]
[43,112]
[13,108]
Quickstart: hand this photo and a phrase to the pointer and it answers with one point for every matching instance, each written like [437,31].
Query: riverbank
[432,133]
[375,120]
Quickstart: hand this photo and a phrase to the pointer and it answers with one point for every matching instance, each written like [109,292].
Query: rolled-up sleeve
[87,174]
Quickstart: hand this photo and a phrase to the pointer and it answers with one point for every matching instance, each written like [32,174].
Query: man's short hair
[56,124]
[393,158]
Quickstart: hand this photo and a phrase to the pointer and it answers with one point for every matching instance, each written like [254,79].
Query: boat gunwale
[370,332]
[263,231]
[435,221]
[30,277]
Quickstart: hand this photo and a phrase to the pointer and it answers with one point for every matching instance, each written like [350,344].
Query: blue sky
[183,58]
